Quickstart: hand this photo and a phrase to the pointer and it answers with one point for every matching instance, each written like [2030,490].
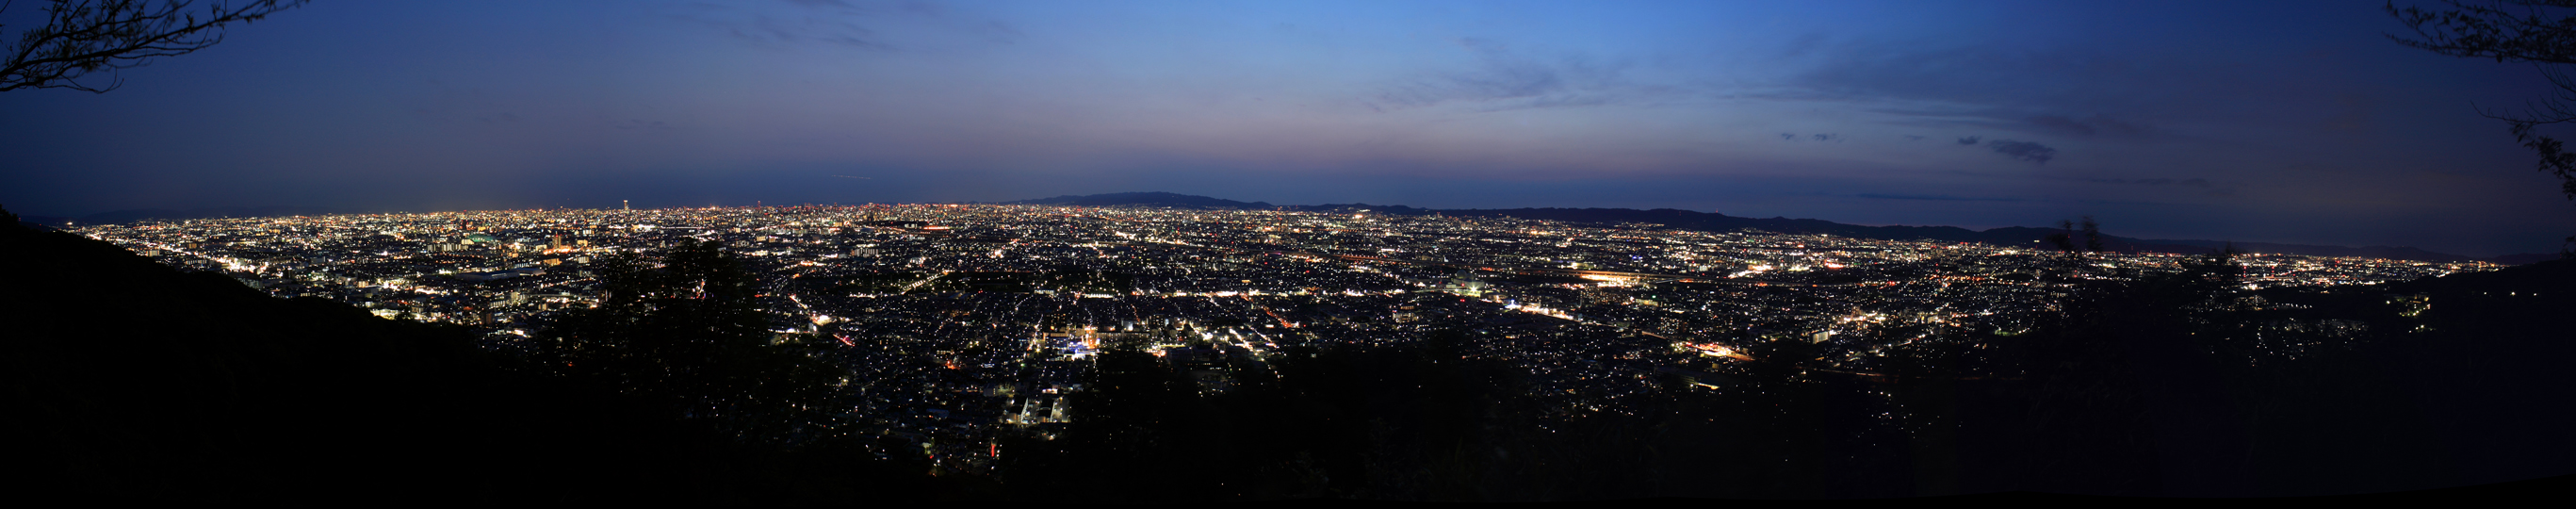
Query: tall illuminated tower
[624,205]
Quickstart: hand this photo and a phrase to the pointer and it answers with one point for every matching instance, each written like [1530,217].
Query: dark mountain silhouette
[2018,236]
[128,379]
[2210,391]
[42,223]
[46,222]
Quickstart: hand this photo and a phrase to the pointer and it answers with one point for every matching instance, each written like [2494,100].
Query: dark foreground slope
[2174,386]
[2177,385]
[125,379]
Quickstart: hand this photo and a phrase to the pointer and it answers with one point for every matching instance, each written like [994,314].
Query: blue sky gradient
[2269,121]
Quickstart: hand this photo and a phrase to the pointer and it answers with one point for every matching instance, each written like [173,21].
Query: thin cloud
[1875,196]
[1984,87]
[839,22]
[2023,150]
[1504,80]
[2200,185]
[760,28]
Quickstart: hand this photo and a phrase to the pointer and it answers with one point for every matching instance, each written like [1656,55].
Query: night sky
[2257,121]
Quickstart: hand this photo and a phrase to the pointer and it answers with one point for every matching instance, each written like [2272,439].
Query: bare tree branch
[81,37]
[2539,32]
[2505,30]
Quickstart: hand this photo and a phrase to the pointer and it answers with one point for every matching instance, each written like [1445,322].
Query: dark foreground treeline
[2163,386]
[121,378]
[124,378]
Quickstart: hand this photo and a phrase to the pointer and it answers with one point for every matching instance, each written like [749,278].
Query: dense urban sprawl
[955,322]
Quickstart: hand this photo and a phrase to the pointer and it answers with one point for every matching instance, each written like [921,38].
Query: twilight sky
[2257,121]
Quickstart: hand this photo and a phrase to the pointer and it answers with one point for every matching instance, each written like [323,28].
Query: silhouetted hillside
[2182,386]
[43,222]
[127,379]
[2176,385]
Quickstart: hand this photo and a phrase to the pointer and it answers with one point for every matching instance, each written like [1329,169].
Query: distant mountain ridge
[2021,236]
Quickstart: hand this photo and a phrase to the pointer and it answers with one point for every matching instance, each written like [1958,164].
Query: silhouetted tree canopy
[688,329]
[2064,240]
[87,36]
[2092,235]
[2539,32]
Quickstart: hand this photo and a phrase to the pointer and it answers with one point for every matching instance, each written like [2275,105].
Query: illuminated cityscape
[958,320]
[897,252]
